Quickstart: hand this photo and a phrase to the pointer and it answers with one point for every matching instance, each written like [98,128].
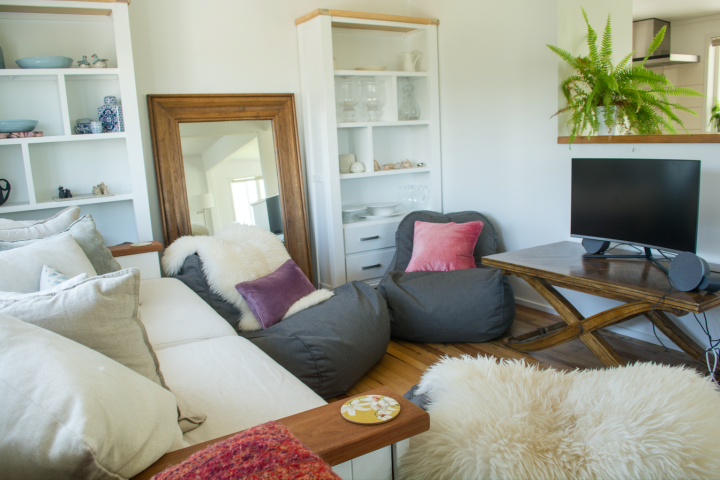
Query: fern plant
[715,116]
[635,99]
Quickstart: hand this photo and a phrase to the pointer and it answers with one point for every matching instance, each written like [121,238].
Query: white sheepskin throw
[237,253]
[508,420]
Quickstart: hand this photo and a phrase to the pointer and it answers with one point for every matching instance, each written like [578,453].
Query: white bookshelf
[357,40]
[57,97]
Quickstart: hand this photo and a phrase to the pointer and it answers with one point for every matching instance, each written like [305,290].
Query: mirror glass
[231,175]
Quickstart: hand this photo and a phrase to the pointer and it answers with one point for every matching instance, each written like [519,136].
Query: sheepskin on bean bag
[509,420]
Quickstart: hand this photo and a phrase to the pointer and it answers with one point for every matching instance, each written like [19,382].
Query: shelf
[403,123]
[29,72]
[625,139]
[370,73]
[26,206]
[384,173]
[62,138]
[364,222]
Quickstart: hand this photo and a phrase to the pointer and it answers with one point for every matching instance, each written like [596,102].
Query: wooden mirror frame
[167,112]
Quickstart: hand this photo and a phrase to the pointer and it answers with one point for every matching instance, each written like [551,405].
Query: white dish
[372,69]
[382,208]
[374,217]
[354,208]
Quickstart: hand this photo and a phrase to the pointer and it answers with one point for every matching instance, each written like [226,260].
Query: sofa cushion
[234,383]
[69,412]
[174,315]
[486,244]
[191,274]
[10,230]
[100,313]
[87,237]
[473,305]
[443,247]
[20,268]
[331,345]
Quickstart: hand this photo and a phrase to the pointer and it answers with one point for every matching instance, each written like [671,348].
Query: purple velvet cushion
[271,296]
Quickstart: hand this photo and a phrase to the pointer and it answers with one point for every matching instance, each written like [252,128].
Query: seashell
[376,166]
[357,167]
[406,163]
[398,166]
[346,162]
[389,166]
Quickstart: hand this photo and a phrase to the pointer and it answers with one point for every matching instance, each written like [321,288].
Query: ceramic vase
[96,127]
[604,130]
[110,114]
[346,161]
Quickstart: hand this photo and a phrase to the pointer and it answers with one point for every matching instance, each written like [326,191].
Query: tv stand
[647,256]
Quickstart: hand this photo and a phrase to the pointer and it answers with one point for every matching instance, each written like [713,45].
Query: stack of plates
[374,211]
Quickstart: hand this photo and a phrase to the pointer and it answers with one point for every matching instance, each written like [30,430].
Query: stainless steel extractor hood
[644,32]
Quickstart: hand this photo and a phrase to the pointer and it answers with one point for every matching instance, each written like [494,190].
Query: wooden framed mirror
[238,138]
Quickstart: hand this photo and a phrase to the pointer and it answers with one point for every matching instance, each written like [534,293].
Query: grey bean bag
[473,305]
[330,346]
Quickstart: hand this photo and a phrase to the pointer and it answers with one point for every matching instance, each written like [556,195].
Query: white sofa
[225,376]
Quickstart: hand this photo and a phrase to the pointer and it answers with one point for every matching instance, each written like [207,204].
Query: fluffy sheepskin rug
[237,253]
[508,420]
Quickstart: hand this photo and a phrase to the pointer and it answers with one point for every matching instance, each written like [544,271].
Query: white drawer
[370,237]
[368,265]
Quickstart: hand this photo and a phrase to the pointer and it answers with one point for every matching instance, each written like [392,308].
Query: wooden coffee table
[637,282]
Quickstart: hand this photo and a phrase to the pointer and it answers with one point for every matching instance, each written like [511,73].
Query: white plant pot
[604,130]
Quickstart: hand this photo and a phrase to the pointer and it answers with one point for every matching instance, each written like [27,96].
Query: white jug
[410,61]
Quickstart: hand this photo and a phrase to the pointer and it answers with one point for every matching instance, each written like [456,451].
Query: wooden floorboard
[405,362]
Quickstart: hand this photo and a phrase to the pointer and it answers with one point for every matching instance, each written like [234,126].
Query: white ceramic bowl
[379,209]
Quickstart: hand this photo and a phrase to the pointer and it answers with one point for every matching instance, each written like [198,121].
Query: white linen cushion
[173,314]
[69,412]
[235,383]
[100,313]
[57,288]
[11,230]
[21,266]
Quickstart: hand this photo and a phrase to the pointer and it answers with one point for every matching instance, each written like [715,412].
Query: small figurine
[376,166]
[96,190]
[64,192]
[84,62]
[389,166]
[99,62]
[406,163]
[100,189]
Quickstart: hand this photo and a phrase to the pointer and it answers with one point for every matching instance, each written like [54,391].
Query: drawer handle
[370,267]
[369,238]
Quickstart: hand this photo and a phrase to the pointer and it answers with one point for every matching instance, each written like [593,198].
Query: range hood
[644,32]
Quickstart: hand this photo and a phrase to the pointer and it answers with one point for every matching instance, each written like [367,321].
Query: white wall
[498,84]
[195,182]
[219,179]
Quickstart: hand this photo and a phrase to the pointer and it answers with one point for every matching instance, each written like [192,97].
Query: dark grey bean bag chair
[330,346]
[473,305]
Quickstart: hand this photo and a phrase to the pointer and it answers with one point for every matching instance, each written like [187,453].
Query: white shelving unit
[361,249]
[57,97]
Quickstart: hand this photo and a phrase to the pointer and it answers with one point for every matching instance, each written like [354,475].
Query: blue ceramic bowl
[45,62]
[10,126]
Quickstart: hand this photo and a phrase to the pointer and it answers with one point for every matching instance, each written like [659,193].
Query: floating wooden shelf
[624,139]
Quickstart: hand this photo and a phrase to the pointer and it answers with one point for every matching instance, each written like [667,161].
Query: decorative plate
[354,208]
[370,409]
[374,217]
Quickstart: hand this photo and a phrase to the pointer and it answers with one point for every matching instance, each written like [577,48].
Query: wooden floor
[404,363]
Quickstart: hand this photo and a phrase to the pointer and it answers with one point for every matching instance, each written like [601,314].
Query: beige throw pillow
[100,313]
[10,230]
[70,413]
[20,268]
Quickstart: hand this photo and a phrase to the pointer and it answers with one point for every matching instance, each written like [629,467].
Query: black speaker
[689,272]
[595,246]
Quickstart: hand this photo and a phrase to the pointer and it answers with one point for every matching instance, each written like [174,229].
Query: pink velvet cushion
[442,247]
[271,296]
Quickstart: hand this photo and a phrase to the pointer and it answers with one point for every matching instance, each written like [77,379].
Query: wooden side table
[639,283]
[327,434]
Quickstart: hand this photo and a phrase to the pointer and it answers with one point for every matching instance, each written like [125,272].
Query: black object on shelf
[4,191]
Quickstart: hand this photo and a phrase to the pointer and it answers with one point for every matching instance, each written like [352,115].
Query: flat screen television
[275,213]
[649,203]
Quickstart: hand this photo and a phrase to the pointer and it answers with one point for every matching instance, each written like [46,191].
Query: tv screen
[650,203]
[275,214]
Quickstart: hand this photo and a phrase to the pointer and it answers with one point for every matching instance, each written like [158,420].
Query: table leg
[677,336]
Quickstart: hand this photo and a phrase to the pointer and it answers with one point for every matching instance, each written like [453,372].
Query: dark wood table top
[562,264]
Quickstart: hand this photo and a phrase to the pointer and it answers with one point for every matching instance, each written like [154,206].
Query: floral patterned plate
[370,409]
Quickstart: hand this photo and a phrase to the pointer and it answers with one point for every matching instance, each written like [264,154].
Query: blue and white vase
[111,116]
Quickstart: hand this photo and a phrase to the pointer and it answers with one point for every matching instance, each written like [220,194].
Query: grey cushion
[192,275]
[486,244]
[472,305]
[330,346]
[90,240]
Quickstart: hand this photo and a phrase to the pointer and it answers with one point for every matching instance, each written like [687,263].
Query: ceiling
[673,10]
[198,145]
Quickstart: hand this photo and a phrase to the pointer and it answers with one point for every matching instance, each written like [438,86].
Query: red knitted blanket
[268,451]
